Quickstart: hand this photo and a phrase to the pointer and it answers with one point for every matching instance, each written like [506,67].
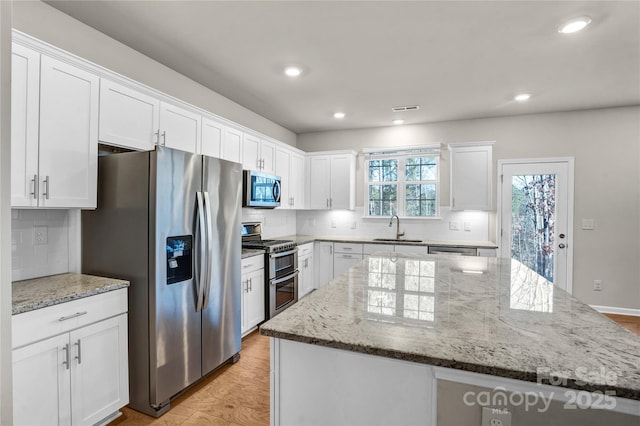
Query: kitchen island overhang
[482,321]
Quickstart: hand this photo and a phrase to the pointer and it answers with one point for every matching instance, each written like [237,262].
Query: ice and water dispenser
[179,259]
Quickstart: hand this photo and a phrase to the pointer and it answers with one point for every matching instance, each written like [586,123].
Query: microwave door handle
[201,236]
[207,209]
[276,191]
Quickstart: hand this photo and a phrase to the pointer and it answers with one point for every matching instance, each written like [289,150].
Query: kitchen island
[392,340]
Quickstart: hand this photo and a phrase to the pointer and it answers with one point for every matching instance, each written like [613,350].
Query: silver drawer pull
[347,248]
[79,356]
[77,314]
[66,361]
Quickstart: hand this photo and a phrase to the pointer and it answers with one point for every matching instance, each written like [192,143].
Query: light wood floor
[236,395]
[630,323]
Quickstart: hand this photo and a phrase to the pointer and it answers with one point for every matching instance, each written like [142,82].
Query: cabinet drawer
[305,249]
[355,256]
[347,248]
[373,248]
[46,322]
[253,263]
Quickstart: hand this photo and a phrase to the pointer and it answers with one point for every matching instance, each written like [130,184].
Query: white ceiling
[456,59]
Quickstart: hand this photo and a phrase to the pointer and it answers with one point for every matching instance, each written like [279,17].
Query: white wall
[52,26]
[606,146]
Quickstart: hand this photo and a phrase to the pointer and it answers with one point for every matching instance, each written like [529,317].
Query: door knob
[561,235]
[561,246]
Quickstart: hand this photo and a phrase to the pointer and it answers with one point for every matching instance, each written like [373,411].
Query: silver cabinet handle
[79,356]
[164,138]
[157,135]
[346,256]
[347,248]
[250,284]
[327,203]
[77,314]
[330,202]
[67,360]
[330,249]
[34,182]
[46,183]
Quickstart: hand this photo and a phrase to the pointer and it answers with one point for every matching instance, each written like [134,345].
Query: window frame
[401,183]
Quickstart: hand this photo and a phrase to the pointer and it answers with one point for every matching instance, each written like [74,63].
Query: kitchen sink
[394,240]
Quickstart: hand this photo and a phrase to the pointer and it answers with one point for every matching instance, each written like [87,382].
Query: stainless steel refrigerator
[169,222]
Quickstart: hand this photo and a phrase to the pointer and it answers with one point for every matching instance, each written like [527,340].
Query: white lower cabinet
[79,376]
[323,254]
[345,256]
[253,287]
[305,265]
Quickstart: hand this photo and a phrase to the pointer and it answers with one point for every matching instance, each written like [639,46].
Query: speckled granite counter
[37,293]
[303,239]
[251,252]
[486,315]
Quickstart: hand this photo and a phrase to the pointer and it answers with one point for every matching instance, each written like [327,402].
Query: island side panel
[313,385]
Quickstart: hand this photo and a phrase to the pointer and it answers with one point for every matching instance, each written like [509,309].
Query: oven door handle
[282,253]
[288,277]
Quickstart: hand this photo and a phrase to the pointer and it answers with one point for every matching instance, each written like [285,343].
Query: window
[405,184]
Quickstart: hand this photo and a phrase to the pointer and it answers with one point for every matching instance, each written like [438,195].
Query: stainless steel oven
[283,280]
[281,268]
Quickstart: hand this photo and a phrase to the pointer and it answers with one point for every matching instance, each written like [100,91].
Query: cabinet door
[99,370]
[232,145]
[128,118]
[305,283]
[296,177]
[283,162]
[68,135]
[41,383]
[323,254]
[471,174]
[254,303]
[341,178]
[179,128]
[319,193]
[342,262]
[212,134]
[25,103]
[268,156]
[251,152]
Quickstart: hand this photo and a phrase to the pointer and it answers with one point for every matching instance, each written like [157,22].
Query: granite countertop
[497,317]
[37,293]
[251,252]
[303,239]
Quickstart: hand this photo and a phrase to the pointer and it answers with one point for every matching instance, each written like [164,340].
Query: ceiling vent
[405,108]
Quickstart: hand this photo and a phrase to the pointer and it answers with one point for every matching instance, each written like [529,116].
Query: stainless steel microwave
[261,190]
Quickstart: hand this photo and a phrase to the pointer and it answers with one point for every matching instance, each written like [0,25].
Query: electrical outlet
[495,417]
[454,226]
[588,225]
[597,285]
[354,225]
[333,223]
[40,235]
[467,226]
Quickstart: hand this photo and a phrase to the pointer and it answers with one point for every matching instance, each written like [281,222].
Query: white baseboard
[617,311]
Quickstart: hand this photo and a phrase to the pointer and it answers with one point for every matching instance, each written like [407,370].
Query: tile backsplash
[39,243]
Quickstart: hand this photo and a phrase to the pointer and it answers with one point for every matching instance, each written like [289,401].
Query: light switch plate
[454,226]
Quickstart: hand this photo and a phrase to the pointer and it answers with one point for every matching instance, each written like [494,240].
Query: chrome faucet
[398,233]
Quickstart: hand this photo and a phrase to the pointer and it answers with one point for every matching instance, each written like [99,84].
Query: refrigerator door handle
[203,265]
[207,208]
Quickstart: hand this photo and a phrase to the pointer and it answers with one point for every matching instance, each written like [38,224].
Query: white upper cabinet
[471,174]
[296,179]
[212,136]
[232,145]
[25,105]
[179,128]
[283,165]
[331,183]
[251,152]
[68,143]
[128,118]
[258,154]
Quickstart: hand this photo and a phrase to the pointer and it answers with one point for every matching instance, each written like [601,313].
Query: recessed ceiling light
[292,71]
[339,115]
[398,121]
[522,97]
[574,25]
